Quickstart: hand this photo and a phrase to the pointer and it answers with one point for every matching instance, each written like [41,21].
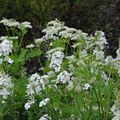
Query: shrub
[81,84]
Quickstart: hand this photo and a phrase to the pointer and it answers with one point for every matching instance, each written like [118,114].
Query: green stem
[1,110]
[98,102]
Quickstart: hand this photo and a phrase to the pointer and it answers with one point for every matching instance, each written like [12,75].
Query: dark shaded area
[87,15]
[97,15]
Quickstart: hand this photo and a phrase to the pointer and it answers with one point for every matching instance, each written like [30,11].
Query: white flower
[56,55]
[10,22]
[118,52]
[105,77]
[86,86]
[28,104]
[70,86]
[24,25]
[44,102]
[54,50]
[3,38]
[65,34]
[72,57]
[64,77]
[36,85]
[108,59]
[76,45]
[6,47]
[9,60]
[51,73]
[11,38]
[56,61]
[38,41]
[45,117]
[78,35]
[99,55]
[116,112]
[30,46]
[4,21]
[5,85]
[101,37]
[13,24]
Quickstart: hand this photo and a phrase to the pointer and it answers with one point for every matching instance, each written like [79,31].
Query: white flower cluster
[114,62]
[30,46]
[56,29]
[116,112]
[6,85]
[99,44]
[14,23]
[6,37]
[87,86]
[99,55]
[52,29]
[64,77]
[44,102]
[117,61]
[9,22]
[34,87]
[28,104]
[101,40]
[5,49]
[45,117]
[56,56]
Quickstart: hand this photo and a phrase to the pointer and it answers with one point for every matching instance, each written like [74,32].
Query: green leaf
[33,53]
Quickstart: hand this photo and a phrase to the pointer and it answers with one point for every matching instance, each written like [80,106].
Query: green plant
[81,84]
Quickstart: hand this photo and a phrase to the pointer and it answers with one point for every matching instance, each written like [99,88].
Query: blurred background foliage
[87,15]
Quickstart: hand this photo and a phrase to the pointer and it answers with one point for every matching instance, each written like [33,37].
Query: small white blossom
[9,22]
[70,58]
[6,47]
[108,59]
[28,104]
[24,25]
[38,41]
[30,46]
[44,102]
[101,37]
[116,113]
[86,86]
[118,52]
[56,55]
[36,85]
[64,77]
[8,59]
[6,37]
[45,117]
[54,50]
[99,55]
[56,61]
[51,73]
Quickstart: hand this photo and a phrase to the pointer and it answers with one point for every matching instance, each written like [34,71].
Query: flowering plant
[78,81]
